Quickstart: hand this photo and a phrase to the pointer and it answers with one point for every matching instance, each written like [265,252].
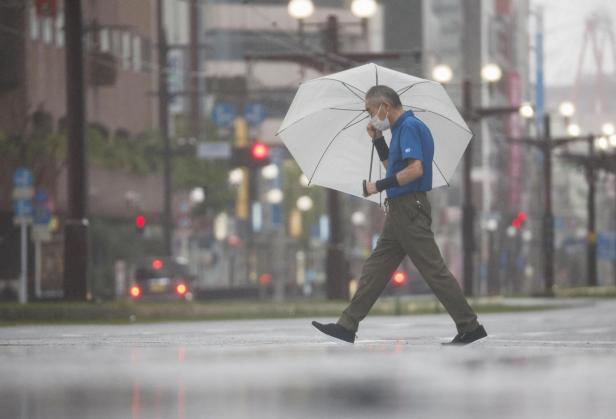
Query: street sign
[213,151]
[22,210]
[42,210]
[254,113]
[175,80]
[223,115]
[22,178]
[606,245]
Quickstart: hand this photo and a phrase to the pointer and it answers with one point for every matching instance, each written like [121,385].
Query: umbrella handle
[371,160]
[365,188]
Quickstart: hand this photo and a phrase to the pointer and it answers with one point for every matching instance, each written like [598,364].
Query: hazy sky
[564,22]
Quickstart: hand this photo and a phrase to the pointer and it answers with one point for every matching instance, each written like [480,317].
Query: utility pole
[163,120]
[468,210]
[76,225]
[546,146]
[591,236]
[335,262]
[194,69]
[548,217]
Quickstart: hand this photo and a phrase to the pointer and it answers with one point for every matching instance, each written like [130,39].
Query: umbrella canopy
[325,127]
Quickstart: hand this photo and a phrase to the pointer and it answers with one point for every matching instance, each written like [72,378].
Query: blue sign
[606,245]
[42,211]
[22,208]
[22,178]
[223,115]
[254,113]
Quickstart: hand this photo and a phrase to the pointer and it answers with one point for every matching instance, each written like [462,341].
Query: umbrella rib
[345,85]
[348,125]
[312,113]
[440,171]
[407,88]
[442,116]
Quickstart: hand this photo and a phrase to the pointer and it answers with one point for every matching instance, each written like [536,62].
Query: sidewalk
[129,312]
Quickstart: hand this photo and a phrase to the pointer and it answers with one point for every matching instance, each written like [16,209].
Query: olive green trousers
[407,231]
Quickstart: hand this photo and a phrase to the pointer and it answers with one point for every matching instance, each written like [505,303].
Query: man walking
[407,228]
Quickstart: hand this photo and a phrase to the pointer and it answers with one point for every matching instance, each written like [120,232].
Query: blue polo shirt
[410,139]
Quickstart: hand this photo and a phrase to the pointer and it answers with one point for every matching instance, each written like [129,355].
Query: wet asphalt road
[550,364]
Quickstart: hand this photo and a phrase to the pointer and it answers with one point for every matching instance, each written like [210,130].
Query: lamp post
[546,145]
[490,73]
[328,60]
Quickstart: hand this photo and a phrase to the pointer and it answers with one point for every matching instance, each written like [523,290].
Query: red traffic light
[259,151]
[519,220]
[265,279]
[140,222]
[157,264]
[399,278]
[522,216]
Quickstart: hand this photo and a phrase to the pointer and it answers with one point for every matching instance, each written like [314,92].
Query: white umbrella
[325,127]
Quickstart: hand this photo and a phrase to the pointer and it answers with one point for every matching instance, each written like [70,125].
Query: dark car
[161,278]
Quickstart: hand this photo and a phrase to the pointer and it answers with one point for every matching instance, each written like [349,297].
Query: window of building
[146,61]
[47,30]
[116,43]
[59,29]
[104,41]
[137,58]
[126,50]
[35,24]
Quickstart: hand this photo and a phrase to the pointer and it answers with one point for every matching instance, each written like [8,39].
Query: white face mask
[381,125]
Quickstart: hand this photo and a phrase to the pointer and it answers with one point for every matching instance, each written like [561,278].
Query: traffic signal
[259,152]
[157,264]
[253,156]
[519,220]
[140,223]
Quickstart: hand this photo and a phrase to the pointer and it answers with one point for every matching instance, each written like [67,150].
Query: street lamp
[197,195]
[274,196]
[270,171]
[491,73]
[566,109]
[300,9]
[602,143]
[236,176]
[304,181]
[304,203]
[612,139]
[442,73]
[607,129]
[574,130]
[526,110]
[363,9]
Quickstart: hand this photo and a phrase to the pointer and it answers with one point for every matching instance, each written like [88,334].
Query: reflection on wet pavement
[282,369]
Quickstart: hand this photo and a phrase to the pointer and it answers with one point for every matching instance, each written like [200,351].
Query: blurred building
[120,78]
[120,97]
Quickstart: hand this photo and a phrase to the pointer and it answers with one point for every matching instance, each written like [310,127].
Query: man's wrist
[387,183]
[381,148]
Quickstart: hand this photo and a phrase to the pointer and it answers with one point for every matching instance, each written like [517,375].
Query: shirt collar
[402,118]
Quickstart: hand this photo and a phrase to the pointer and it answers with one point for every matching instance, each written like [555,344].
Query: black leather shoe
[335,330]
[468,337]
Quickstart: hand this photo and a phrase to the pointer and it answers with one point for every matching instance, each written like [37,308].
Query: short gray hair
[385,94]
